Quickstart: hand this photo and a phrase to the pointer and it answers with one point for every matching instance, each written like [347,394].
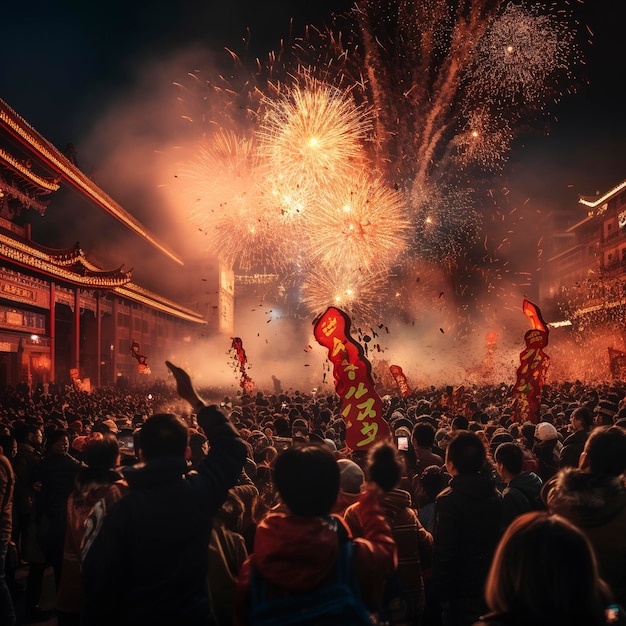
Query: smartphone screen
[403,443]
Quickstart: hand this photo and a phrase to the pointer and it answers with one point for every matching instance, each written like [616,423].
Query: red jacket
[297,554]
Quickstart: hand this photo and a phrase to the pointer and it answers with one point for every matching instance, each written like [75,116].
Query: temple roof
[69,265]
[72,266]
[42,184]
[595,201]
[40,147]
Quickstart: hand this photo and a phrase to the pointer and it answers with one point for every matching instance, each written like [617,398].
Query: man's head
[423,435]
[465,454]
[509,460]
[163,434]
[460,422]
[581,418]
[307,479]
[102,452]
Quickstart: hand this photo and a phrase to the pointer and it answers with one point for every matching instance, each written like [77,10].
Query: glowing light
[370,236]
[313,133]
[537,47]
[360,294]
[230,204]
[451,223]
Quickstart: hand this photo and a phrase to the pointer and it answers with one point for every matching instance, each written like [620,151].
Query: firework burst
[360,294]
[521,55]
[446,222]
[228,202]
[358,224]
[484,141]
[312,134]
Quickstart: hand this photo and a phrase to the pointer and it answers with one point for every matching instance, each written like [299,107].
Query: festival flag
[400,378]
[617,363]
[142,359]
[361,406]
[532,312]
[534,363]
[246,383]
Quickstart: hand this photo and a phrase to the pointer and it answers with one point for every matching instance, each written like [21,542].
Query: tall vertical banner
[534,363]
[246,383]
[361,406]
[401,381]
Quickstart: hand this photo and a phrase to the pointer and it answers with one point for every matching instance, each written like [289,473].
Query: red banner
[400,378]
[246,383]
[532,312]
[142,359]
[361,406]
[534,363]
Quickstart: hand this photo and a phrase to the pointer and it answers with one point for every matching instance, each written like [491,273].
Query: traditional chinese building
[61,316]
[588,273]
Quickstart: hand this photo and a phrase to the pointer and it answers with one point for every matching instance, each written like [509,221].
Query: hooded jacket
[148,564]
[296,554]
[595,503]
[521,495]
[414,543]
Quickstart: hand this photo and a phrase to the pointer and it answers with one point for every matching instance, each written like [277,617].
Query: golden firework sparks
[312,134]
[357,224]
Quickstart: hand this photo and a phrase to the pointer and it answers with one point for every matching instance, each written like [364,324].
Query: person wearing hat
[110,425]
[606,410]
[299,429]
[351,480]
[547,449]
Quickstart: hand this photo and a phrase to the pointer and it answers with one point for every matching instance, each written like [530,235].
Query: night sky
[66,64]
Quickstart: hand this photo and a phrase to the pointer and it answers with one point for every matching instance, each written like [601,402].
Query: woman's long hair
[544,572]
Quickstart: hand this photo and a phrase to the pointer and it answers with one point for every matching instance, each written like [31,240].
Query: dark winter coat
[595,503]
[149,563]
[521,495]
[467,529]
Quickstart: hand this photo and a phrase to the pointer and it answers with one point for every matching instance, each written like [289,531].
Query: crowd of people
[172,506]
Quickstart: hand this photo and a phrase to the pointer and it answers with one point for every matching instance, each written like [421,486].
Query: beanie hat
[403,431]
[259,442]
[351,476]
[545,431]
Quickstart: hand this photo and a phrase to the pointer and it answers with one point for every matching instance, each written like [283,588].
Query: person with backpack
[306,568]
[404,597]
[522,492]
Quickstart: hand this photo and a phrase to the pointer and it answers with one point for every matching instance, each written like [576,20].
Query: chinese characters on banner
[400,378]
[361,406]
[534,363]
[246,383]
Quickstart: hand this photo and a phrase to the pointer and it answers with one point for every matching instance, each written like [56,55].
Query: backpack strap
[344,569]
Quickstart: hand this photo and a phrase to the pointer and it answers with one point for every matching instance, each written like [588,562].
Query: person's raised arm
[184,386]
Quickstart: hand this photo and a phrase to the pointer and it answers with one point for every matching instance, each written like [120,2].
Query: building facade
[62,318]
[587,276]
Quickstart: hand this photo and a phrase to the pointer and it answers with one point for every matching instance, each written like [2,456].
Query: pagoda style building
[62,318]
